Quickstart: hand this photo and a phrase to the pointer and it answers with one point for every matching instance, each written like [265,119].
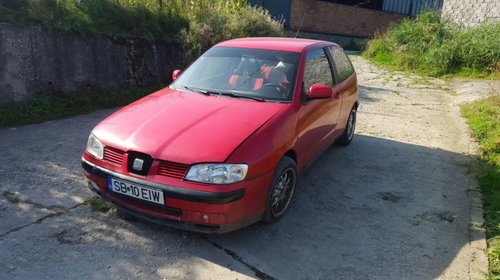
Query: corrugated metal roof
[411,7]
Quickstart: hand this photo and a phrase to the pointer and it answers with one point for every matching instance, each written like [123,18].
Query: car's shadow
[376,209]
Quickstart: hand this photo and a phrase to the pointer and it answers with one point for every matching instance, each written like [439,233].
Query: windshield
[261,75]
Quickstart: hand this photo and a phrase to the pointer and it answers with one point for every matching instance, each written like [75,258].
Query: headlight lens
[217,173]
[95,147]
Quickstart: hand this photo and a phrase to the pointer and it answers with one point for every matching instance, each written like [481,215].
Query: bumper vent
[172,169]
[113,155]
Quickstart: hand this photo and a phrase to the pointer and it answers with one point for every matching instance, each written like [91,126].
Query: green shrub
[479,47]
[113,17]
[196,24]
[435,47]
[203,32]
[210,26]
[255,22]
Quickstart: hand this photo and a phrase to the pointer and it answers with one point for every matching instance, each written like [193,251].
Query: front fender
[264,148]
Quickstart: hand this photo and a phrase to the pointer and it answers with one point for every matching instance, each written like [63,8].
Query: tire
[281,191]
[346,137]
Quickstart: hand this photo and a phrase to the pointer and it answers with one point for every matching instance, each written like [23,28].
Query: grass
[196,25]
[98,204]
[483,117]
[431,46]
[11,197]
[44,107]
[150,19]
[113,17]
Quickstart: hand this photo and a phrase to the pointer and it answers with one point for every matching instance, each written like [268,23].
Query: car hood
[185,127]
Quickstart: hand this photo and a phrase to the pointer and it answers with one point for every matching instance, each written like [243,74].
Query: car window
[342,64]
[242,72]
[317,70]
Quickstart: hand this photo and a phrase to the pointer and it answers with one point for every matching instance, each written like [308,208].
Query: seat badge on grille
[138,163]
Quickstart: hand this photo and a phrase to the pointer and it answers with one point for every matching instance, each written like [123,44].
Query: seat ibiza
[221,147]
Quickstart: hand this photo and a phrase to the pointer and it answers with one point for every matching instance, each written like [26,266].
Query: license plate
[135,190]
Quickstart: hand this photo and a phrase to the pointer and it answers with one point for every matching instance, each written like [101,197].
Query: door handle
[337,92]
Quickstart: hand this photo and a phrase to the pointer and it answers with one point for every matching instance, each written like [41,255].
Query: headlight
[217,173]
[95,147]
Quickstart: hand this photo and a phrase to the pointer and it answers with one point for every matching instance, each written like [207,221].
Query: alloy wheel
[283,191]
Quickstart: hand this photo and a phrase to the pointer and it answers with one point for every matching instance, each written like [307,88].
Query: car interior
[250,75]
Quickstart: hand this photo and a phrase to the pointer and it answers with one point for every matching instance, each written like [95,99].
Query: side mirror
[176,74]
[317,91]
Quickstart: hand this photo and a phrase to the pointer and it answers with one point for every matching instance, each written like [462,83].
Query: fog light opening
[93,186]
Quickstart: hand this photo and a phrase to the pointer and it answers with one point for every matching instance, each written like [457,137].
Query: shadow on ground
[376,209]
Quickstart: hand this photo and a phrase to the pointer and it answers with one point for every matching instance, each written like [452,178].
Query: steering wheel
[273,89]
[271,85]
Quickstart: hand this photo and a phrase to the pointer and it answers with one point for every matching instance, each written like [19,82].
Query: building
[343,21]
[468,13]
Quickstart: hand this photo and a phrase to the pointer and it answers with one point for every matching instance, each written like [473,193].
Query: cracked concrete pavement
[399,203]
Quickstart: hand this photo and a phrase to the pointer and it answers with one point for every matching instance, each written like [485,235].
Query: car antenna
[301,22]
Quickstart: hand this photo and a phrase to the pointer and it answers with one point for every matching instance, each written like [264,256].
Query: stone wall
[35,60]
[326,17]
[467,13]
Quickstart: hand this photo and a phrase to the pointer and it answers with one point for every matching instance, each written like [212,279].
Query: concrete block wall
[35,60]
[468,13]
[326,17]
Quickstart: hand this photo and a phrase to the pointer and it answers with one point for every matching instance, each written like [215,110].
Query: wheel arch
[291,154]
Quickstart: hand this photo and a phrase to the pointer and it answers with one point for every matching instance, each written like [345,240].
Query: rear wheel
[348,134]
[281,191]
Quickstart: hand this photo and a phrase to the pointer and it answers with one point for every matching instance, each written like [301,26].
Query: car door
[345,83]
[317,118]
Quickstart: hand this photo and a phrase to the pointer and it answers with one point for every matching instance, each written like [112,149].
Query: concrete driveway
[398,203]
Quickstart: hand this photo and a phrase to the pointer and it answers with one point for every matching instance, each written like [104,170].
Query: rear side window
[343,66]
[317,70]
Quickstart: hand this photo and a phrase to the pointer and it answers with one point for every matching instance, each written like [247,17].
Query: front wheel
[281,191]
[348,134]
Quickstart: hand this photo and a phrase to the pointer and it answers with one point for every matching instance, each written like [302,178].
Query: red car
[221,147]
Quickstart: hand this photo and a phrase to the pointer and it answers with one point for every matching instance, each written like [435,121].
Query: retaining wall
[34,59]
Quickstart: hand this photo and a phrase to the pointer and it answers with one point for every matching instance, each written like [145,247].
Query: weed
[45,107]
[432,46]
[209,26]
[113,17]
[11,197]
[483,117]
[98,204]
[204,22]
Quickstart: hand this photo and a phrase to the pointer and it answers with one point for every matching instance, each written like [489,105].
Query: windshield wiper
[223,93]
[230,94]
[197,90]
[242,96]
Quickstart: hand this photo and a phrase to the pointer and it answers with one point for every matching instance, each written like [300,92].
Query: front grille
[139,163]
[113,155]
[172,169]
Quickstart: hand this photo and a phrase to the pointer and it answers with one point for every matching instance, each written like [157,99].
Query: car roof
[273,43]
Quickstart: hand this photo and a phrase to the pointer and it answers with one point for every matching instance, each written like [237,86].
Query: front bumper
[185,209]
[173,192]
